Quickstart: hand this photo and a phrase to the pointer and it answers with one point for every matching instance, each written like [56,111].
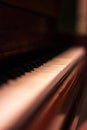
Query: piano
[42,70]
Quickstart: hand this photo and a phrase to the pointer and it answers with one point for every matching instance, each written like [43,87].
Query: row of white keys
[26,92]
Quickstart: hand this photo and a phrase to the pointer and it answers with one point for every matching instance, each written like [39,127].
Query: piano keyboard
[28,91]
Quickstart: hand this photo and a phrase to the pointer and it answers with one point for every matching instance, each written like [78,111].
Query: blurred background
[37,25]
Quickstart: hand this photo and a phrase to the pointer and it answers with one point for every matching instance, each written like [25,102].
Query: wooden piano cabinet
[79,113]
